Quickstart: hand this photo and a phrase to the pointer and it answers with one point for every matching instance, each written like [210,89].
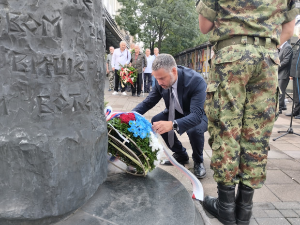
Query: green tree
[170,25]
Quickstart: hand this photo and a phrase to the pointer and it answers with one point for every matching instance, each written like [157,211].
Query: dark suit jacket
[296,53]
[191,91]
[285,56]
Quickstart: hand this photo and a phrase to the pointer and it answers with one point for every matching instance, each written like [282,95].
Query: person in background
[131,50]
[296,83]
[156,53]
[139,62]
[242,96]
[148,71]
[183,91]
[285,56]
[109,70]
[132,46]
[121,57]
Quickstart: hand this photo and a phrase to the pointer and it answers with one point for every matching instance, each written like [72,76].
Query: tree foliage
[170,25]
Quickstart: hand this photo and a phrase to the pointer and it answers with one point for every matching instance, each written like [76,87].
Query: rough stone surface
[124,199]
[53,139]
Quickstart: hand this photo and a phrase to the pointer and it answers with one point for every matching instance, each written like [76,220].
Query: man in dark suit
[184,93]
[285,56]
[296,82]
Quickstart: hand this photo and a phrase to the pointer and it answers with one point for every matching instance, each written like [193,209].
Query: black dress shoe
[280,111]
[133,94]
[199,170]
[284,108]
[297,117]
[289,114]
[182,159]
[139,95]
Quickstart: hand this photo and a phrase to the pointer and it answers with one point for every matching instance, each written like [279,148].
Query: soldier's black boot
[223,207]
[244,204]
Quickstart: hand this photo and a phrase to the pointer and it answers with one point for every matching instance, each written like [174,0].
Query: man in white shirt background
[148,71]
[121,57]
[156,53]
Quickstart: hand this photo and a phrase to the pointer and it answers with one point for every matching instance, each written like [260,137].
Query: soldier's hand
[162,127]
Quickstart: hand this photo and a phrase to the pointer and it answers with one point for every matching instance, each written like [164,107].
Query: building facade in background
[112,31]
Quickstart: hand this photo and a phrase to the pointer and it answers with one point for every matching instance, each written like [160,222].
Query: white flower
[156,163]
[155,144]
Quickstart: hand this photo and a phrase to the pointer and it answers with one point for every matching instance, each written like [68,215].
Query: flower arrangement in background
[132,140]
[128,74]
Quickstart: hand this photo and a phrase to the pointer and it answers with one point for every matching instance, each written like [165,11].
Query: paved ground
[278,202]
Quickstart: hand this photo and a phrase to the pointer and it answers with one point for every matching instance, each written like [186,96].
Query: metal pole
[143,77]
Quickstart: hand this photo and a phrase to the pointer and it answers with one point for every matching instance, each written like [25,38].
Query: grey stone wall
[53,139]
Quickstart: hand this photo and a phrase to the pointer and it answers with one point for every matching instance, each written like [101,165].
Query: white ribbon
[125,139]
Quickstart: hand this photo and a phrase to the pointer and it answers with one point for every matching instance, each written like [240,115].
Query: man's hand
[162,127]
[144,69]
[107,71]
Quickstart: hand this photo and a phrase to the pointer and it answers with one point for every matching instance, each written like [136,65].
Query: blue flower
[143,134]
[130,129]
[135,134]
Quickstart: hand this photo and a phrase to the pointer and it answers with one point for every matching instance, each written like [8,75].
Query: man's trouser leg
[118,81]
[139,83]
[133,88]
[111,76]
[196,137]
[147,81]
[153,81]
[282,83]
[296,95]
[177,147]
[241,104]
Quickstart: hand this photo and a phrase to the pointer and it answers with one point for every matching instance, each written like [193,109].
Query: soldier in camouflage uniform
[109,71]
[242,95]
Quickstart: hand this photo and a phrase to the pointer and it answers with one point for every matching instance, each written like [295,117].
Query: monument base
[158,198]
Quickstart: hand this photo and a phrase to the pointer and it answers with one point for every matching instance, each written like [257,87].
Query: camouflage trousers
[111,77]
[242,106]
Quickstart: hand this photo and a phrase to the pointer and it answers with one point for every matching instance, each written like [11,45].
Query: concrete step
[124,199]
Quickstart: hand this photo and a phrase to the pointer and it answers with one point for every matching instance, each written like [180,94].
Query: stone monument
[53,138]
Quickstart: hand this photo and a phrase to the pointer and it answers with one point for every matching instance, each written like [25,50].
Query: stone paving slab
[286,192]
[294,221]
[288,213]
[273,176]
[272,221]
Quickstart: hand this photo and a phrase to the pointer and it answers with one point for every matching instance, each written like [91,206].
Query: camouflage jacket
[139,62]
[260,18]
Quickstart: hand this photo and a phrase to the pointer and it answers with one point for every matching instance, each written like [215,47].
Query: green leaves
[143,144]
[170,25]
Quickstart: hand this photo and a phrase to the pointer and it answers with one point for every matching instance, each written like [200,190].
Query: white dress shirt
[150,60]
[282,45]
[120,58]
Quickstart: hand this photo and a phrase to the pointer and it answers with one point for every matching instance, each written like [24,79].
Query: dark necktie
[171,117]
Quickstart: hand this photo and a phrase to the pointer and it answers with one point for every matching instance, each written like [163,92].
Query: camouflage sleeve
[291,12]
[207,9]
